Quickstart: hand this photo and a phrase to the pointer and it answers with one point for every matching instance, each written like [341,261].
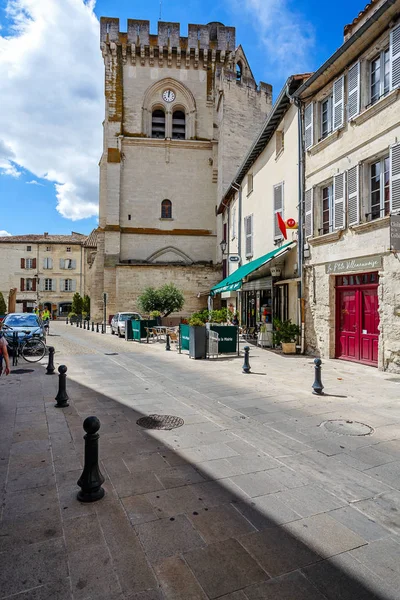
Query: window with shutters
[338,103]
[395,178]
[248,231]
[68,263]
[249,183]
[29,248]
[48,263]
[48,285]
[379,76]
[379,189]
[339,183]
[29,263]
[353,91]
[67,285]
[326,210]
[309,126]
[278,209]
[395,57]
[326,116]
[29,285]
[353,199]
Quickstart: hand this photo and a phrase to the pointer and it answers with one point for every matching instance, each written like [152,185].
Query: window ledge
[166,219]
[329,139]
[278,154]
[373,110]
[371,225]
[327,238]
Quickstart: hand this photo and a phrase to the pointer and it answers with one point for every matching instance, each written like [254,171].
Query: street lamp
[223,245]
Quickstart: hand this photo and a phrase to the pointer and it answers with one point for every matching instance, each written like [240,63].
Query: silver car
[118,322]
[22,323]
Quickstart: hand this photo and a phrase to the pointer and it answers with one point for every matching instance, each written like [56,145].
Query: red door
[357,320]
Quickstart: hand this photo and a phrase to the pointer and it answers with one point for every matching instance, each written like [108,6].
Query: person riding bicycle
[46,318]
[4,354]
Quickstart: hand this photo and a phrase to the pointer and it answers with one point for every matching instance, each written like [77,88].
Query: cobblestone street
[254,497]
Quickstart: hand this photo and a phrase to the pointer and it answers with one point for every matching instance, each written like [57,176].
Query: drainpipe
[300,245]
[238,188]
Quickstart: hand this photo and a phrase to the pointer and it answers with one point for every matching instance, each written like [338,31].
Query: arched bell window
[178,125]
[239,72]
[158,124]
[166,209]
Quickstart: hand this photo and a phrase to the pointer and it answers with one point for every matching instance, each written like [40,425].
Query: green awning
[234,281]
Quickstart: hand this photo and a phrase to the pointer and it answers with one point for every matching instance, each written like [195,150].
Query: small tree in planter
[165,300]
[197,337]
[286,334]
[77,304]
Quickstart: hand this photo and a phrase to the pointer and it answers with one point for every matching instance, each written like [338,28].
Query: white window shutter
[54,285]
[395,58]
[73,264]
[278,208]
[73,284]
[309,212]
[50,263]
[41,284]
[248,223]
[338,201]
[45,263]
[395,178]
[309,126]
[353,92]
[338,102]
[353,191]
[62,261]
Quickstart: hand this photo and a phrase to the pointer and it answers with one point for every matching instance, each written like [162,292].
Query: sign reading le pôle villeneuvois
[395,233]
[363,263]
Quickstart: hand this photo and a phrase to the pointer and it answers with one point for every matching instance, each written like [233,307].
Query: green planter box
[227,338]
[184,331]
[197,342]
[139,328]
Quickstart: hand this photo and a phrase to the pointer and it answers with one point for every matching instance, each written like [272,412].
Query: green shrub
[285,331]
[196,322]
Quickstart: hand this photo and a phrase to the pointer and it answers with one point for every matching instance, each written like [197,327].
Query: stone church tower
[180,114]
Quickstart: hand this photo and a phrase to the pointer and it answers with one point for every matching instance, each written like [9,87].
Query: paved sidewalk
[252,498]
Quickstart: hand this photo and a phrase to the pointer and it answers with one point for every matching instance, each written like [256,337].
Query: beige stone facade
[181,113]
[352,193]
[45,270]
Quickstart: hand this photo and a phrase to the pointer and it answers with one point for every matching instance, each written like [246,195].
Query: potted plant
[197,337]
[286,334]
[156,315]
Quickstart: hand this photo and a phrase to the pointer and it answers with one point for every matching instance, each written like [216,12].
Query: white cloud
[51,74]
[33,182]
[286,35]
[4,233]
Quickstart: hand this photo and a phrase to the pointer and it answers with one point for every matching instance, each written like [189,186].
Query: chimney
[46,234]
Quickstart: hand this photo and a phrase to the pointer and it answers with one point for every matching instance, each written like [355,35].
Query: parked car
[22,322]
[118,322]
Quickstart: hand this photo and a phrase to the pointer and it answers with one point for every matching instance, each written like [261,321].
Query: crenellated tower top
[213,41]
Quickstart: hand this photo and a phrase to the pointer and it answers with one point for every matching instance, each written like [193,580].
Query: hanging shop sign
[363,263]
[291,224]
[395,233]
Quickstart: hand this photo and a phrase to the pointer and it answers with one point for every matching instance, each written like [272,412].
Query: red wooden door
[357,323]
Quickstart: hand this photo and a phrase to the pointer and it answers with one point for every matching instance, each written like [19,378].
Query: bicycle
[30,347]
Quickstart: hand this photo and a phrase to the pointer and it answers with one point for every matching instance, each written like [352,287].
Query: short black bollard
[317,385]
[77,323]
[92,325]
[80,324]
[97,328]
[71,322]
[66,322]
[167,342]
[62,396]
[50,365]
[246,364]
[103,328]
[84,324]
[91,479]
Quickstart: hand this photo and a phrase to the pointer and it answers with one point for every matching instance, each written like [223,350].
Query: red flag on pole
[281,225]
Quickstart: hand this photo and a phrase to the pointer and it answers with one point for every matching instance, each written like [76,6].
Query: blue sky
[52,79]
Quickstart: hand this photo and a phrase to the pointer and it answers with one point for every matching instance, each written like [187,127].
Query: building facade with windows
[351,108]
[260,212]
[181,113]
[45,269]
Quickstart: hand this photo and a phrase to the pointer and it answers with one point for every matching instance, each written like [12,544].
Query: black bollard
[62,396]
[92,325]
[84,324]
[66,322]
[97,328]
[50,365]
[246,364]
[91,479]
[71,322]
[167,342]
[317,385]
[80,324]
[103,328]
[77,323]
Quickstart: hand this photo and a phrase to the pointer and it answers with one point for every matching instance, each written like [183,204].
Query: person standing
[4,355]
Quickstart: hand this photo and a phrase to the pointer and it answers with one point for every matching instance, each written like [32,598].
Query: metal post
[102,328]
[80,324]
[317,385]
[62,396]
[84,324]
[77,323]
[50,365]
[15,348]
[246,364]
[180,340]
[97,328]
[91,479]
[167,342]
[92,325]
[66,321]
[104,311]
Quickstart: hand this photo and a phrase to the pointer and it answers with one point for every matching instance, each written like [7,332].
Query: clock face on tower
[168,96]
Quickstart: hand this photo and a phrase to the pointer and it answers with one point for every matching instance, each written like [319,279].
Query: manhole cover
[21,371]
[343,427]
[160,422]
